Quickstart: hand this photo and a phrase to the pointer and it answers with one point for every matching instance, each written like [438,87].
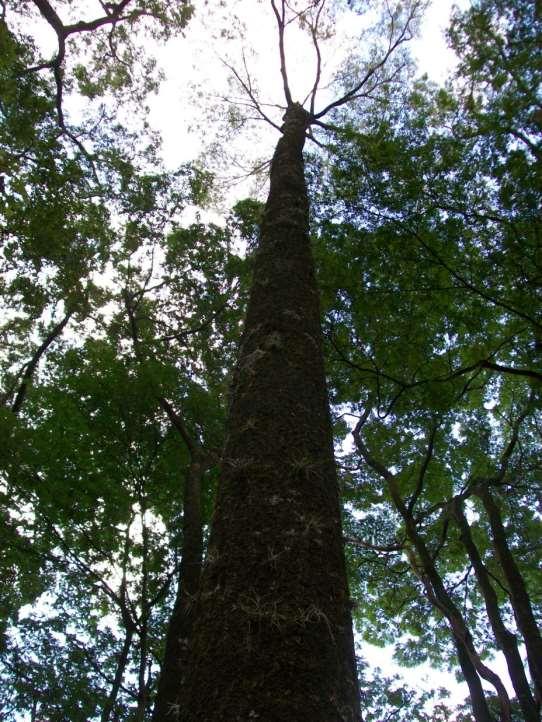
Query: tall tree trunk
[506,641]
[179,631]
[273,636]
[519,596]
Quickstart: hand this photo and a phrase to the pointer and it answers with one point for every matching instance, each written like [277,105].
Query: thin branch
[314,35]
[392,46]
[184,333]
[31,366]
[388,549]
[114,14]
[425,464]
[376,465]
[477,483]
[470,286]
[280,17]
[247,87]
[178,422]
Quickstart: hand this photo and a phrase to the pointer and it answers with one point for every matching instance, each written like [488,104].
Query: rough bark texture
[179,632]
[273,635]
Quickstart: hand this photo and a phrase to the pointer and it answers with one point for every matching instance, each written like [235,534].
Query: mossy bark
[273,639]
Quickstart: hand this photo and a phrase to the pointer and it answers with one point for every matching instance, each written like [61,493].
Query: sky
[195,72]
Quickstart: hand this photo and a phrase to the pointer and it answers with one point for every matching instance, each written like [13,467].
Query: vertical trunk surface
[469,661]
[142,690]
[180,626]
[273,637]
[119,674]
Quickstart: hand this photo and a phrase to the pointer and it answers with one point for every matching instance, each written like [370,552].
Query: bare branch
[314,35]
[246,85]
[280,17]
[393,44]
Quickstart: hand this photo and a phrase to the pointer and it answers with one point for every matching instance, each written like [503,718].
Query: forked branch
[114,13]
[281,25]
[359,89]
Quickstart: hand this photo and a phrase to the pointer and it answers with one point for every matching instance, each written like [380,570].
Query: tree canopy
[121,316]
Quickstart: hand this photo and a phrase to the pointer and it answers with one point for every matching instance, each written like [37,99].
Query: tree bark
[273,636]
[179,632]
[506,641]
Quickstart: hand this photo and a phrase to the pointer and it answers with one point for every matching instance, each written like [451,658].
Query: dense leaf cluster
[429,237]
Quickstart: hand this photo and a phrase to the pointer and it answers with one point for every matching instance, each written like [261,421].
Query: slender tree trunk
[119,674]
[144,618]
[519,596]
[273,636]
[180,625]
[172,674]
[469,661]
[130,629]
[506,641]
[423,565]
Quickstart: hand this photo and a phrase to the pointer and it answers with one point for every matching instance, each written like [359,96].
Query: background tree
[434,350]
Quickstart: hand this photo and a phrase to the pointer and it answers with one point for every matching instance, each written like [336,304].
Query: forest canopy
[121,324]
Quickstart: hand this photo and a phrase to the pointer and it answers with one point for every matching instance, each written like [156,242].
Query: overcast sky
[193,65]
